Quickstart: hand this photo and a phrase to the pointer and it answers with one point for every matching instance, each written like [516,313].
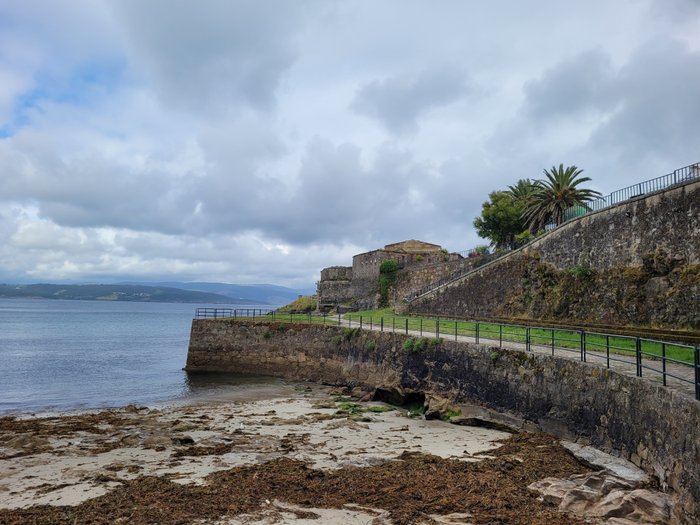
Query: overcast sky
[259,141]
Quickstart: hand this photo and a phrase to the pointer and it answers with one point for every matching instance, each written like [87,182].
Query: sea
[59,356]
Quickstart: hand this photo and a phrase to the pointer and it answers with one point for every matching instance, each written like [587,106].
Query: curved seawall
[654,427]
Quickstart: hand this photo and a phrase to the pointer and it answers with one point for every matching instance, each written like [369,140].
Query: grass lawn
[539,337]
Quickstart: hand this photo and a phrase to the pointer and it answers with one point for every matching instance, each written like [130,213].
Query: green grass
[493,333]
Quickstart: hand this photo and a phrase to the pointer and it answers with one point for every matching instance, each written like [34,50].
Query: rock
[597,459]
[155,442]
[480,422]
[605,495]
[437,407]
[184,440]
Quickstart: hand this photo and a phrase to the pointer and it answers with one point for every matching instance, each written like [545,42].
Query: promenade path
[680,378]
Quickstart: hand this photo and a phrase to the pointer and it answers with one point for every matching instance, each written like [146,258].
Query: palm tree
[555,194]
[522,190]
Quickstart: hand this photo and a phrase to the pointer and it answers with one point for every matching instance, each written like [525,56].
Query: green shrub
[435,342]
[371,345]
[349,333]
[581,272]
[389,266]
[420,344]
[337,339]
[419,258]
[408,344]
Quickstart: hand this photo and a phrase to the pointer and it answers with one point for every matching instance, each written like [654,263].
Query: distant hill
[114,292]
[258,293]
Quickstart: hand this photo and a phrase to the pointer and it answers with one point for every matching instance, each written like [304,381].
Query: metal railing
[676,178]
[668,360]
[224,313]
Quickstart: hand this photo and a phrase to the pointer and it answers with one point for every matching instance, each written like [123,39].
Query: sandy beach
[284,453]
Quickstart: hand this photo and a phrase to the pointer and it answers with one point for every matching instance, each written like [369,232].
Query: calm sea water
[62,355]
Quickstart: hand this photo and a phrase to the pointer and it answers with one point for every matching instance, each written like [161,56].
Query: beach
[283,453]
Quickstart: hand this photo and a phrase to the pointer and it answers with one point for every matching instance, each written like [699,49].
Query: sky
[260,141]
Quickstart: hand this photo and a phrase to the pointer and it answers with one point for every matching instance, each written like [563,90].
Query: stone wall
[336,273]
[652,426]
[335,286]
[637,263]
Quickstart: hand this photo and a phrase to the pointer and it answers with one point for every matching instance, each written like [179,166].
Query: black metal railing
[678,177]
[665,359]
[223,313]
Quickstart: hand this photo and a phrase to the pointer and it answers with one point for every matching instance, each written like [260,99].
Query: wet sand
[280,453]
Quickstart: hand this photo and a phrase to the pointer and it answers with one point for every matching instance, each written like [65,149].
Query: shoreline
[65,466]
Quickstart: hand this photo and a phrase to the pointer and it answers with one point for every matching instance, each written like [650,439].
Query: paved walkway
[684,380]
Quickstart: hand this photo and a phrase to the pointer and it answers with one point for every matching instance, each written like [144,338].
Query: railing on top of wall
[680,362]
[678,177]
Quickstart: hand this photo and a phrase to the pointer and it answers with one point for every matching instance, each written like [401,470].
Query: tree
[501,220]
[555,194]
[523,190]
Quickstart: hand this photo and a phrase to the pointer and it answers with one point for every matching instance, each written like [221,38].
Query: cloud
[576,85]
[256,142]
[399,101]
[211,55]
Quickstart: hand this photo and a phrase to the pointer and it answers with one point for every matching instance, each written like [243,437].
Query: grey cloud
[571,87]
[211,54]
[399,101]
[658,108]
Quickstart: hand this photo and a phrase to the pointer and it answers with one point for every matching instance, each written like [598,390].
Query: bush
[337,340]
[581,272]
[387,278]
[419,258]
[371,345]
[434,343]
[389,266]
[349,333]
[408,344]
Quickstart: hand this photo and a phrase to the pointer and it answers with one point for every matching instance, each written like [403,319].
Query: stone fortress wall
[358,284]
[637,263]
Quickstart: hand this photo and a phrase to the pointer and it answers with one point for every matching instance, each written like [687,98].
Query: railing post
[582,344]
[552,341]
[583,347]
[381,327]
[338,317]
[455,330]
[476,339]
[697,372]
[607,349]
[437,328]
[663,361]
[421,327]
[500,335]
[393,325]
[639,357]
[360,322]
[527,338]
[406,325]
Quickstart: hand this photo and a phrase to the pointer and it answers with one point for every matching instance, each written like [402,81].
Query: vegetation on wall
[387,278]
